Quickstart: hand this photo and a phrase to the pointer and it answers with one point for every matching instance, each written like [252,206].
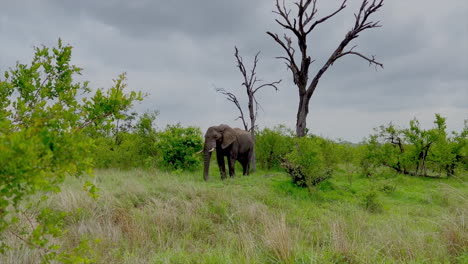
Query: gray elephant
[233,143]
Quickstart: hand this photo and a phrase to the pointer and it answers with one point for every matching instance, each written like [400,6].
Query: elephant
[233,143]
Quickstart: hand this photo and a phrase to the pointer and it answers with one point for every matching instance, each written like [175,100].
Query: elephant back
[245,140]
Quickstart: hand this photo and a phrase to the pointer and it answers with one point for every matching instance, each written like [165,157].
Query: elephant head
[216,137]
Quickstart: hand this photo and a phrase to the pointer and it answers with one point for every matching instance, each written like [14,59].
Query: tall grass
[157,217]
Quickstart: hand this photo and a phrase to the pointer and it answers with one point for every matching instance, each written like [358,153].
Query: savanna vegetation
[84,179]
[400,196]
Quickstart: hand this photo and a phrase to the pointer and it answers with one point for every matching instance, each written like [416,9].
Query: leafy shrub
[148,136]
[387,187]
[130,151]
[370,156]
[371,202]
[130,146]
[178,145]
[416,151]
[312,161]
[272,145]
[46,118]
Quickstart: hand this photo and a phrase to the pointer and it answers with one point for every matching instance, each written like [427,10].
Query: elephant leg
[222,167]
[232,163]
[245,167]
[247,163]
[243,161]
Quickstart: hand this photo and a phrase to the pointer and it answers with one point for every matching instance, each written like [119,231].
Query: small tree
[394,152]
[301,25]
[46,119]
[252,86]
[422,142]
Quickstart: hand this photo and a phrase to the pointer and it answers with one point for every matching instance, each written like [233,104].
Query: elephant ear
[229,135]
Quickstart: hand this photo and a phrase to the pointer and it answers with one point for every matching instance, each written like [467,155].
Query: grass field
[157,217]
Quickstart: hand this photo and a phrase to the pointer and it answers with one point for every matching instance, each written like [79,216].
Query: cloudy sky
[177,51]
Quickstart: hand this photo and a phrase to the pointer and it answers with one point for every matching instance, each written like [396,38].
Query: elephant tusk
[198,152]
[211,150]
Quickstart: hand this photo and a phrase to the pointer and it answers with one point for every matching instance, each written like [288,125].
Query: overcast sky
[177,51]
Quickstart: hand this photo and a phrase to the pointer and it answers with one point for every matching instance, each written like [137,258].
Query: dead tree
[252,86]
[300,25]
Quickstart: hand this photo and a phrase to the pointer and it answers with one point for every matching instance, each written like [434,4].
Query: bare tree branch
[370,60]
[273,84]
[289,51]
[231,97]
[323,19]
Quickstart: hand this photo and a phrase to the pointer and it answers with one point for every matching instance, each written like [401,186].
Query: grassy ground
[156,217]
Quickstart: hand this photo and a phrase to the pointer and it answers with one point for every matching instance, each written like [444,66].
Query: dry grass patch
[150,217]
[279,239]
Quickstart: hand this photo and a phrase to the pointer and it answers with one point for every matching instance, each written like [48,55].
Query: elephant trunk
[207,165]
[209,147]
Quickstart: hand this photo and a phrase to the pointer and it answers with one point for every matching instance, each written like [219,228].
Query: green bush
[129,151]
[417,151]
[312,161]
[178,146]
[387,187]
[131,145]
[272,145]
[371,202]
[46,117]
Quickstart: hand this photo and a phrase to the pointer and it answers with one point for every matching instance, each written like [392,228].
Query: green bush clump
[141,145]
[129,146]
[272,145]
[127,152]
[371,202]
[416,151]
[312,161]
[178,145]
[387,187]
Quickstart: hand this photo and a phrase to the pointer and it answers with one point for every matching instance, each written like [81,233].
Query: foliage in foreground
[46,119]
[154,217]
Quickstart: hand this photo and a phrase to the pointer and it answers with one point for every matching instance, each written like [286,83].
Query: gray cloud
[146,18]
[178,50]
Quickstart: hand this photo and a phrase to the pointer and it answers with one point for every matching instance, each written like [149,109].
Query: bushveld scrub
[418,152]
[148,216]
[413,151]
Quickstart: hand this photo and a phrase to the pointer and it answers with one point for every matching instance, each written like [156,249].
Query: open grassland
[157,217]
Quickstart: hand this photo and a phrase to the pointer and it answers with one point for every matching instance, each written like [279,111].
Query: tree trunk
[302,111]
[253,163]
